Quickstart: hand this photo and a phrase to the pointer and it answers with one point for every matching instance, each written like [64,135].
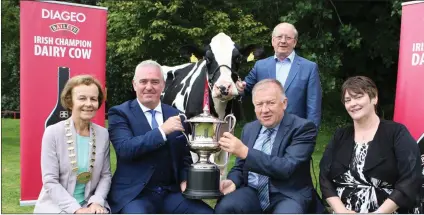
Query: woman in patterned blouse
[372,166]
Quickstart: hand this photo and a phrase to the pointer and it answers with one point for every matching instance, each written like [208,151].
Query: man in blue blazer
[299,76]
[271,174]
[152,153]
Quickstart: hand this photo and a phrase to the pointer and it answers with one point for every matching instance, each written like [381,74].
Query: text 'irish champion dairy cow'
[219,62]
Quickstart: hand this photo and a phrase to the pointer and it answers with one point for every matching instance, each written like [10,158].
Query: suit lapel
[294,69]
[254,134]
[72,175]
[271,68]
[281,134]
[166,113]
[139,116]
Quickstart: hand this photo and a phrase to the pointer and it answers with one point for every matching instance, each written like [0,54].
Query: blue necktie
[154,122]
[263,190]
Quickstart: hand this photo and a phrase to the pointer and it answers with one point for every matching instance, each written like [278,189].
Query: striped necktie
[154,122]
[263,185]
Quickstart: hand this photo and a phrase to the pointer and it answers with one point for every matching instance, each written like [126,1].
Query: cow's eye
[209,56]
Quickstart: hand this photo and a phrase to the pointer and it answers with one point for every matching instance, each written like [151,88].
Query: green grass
[10,183]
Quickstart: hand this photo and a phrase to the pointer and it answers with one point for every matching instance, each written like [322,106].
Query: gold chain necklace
[83,177]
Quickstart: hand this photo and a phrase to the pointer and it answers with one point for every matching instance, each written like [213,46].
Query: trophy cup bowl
[204,176]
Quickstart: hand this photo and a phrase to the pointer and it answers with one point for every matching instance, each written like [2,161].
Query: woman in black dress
[372,166]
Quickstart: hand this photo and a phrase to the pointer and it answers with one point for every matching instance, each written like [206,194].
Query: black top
[391,166]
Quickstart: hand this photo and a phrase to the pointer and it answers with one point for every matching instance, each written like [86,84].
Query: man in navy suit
[298,75]
[152,153]
[271,174]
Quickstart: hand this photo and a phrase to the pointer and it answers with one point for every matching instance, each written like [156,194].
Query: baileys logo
[64,27]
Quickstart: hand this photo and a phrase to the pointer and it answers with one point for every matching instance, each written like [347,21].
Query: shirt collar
[290,57]
[145,109]
[263,129]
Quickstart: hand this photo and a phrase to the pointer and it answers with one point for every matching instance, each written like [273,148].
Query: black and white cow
[219,63]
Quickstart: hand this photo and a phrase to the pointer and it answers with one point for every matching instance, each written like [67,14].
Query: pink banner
[409,103]
[58,40]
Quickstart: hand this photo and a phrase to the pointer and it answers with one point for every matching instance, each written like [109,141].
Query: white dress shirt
[158,116]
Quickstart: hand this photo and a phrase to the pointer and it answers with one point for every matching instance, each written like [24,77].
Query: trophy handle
[185,118]
[232,122]
[231,119]
[226,158]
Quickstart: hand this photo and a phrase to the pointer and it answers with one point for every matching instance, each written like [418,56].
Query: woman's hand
[348,212]
[83,211]
[97,209]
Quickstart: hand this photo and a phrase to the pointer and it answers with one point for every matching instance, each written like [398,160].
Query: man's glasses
[285,37]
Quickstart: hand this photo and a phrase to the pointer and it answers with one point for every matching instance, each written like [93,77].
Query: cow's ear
[191,52]
[253,52]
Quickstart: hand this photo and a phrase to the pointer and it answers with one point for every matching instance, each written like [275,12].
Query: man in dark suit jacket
[272,172]
[298,75]
[152,154]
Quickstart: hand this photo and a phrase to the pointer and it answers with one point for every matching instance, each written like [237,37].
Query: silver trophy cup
[204,176]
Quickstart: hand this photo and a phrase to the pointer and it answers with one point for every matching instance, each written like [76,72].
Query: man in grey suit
[271,174]
[298,75]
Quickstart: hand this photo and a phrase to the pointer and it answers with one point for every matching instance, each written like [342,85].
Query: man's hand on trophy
[233,145]
[227,186]
[172,124]
[183,186]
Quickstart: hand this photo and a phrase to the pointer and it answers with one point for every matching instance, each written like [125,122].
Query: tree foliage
[345,38]
[143,30]
[10,55]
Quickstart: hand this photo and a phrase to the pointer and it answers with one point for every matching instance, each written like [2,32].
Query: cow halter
[210,78]
[223,65]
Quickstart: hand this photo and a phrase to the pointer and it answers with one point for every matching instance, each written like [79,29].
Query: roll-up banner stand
[409,102]
[58,40]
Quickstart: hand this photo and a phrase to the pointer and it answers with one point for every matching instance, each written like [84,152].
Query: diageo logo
[63,15]
[64,27]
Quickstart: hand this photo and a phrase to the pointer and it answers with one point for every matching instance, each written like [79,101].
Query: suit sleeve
[103,186]
[128,146]
[251,79]
[314,97]
[50,173]
[326,185]
[409,166]
[236,173]
[281,168]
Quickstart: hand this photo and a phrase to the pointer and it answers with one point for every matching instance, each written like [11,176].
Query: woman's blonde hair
[66,95]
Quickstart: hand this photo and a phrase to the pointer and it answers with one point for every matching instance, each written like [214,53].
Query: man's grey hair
[266,83]
[148,63]
[274,32]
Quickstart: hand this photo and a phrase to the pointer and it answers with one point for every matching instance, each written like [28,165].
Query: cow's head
[223,58]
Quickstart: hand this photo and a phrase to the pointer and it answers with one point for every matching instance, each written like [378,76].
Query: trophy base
[203,183]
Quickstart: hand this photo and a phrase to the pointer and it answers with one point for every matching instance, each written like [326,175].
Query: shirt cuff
[163,133]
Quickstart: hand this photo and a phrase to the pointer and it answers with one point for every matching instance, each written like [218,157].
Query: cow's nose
[223,90]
